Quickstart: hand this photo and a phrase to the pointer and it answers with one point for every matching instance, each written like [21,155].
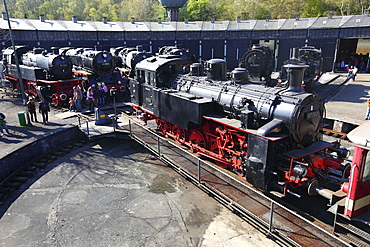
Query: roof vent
[132,20]
[74,19]
[105,20]
[330,15]
[5,17]
[42,18]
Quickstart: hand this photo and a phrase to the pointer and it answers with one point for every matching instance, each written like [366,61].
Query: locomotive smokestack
[295,76]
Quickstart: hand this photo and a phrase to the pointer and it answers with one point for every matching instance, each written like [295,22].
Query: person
[90,98]
[44,109]
[101,95]
[354,72]
[32,109]
[368,110]
[72,106]
[77,96]
[3,124]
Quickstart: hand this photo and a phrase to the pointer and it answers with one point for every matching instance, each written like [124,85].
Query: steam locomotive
[258,61]
[44,75]
[270,136]
[310,56]
[128,57]
[95,67]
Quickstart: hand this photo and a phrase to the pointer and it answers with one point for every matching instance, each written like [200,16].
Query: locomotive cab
[357,201]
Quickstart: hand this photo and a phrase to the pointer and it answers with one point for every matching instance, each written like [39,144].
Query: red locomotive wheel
[165,127]
[196,138]
[178,134]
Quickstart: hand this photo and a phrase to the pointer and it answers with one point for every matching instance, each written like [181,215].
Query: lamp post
[16,62]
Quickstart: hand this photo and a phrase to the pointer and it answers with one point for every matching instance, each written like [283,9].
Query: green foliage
[194,10]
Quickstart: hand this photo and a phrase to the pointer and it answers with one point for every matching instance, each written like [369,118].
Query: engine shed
[341,38]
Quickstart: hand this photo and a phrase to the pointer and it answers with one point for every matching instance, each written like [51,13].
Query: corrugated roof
[301,23]
[269,25]
[242,25]
[283,24]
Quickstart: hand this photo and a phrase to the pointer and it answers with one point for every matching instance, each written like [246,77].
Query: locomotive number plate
[105,64]
[312,114]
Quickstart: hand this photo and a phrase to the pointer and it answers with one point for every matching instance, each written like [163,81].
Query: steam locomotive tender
[268,135]
[44,75]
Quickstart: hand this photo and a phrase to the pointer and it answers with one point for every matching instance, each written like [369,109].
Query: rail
[202,165]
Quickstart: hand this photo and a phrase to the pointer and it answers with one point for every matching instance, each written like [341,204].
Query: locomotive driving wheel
[164,127]
[196,138]
[178,134]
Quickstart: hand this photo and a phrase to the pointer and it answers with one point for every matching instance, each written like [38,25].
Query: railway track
[288,227]
[33,167]
[328,89]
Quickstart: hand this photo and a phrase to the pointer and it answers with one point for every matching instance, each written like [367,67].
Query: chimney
[297,16]
[213,20]
[74,19]
[267,18]
[366,12]
[132,20]
[238,19]
[5,17]
[42,18]
[295,76]
[186,20]
[330,15]
[105,20]
[159,20]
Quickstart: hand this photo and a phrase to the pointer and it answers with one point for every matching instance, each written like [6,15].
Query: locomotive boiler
[101,63]
[44,75]
[268,135]
[128,57]
[55,66]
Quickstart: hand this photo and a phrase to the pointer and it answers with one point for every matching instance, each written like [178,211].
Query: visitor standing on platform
[32,109]
[44,110]
[368,110]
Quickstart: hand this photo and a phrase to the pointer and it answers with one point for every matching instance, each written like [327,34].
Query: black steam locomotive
[128,57]
[268,135]
[101,63]
[310,56]
[44,75]
[258,60]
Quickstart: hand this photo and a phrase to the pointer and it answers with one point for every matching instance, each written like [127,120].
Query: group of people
[44,109]
[352,72]
[96,96]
